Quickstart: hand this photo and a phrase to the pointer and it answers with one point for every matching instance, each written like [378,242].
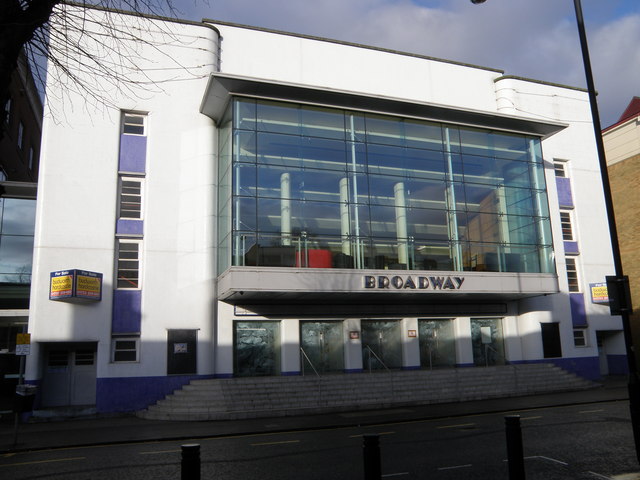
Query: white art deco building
[261,202]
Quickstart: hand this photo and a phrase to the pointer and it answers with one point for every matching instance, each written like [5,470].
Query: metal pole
[371,455]
[515,454]
[190,465]
[634,383]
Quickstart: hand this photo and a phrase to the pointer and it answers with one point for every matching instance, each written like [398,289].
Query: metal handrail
[486,357]
[377,357]
[304,354]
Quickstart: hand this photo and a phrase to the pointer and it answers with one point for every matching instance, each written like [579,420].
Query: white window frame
[567,221]
[128,124]
[115,350]
[573,287]
[580,340]
[119,243]
[121,194]
[560,168]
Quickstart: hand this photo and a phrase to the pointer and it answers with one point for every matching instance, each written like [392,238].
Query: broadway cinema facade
[285,204]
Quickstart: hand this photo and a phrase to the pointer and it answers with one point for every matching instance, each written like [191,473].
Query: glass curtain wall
[304,186]
[17,225]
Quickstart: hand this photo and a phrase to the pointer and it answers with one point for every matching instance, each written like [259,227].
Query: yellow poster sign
[88,286]
[61,286]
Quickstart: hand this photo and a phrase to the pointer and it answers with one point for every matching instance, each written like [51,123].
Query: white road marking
[457,426]
[159,452]
[274,443]
[455,466]
[44,461]
[546,458]
[598,475]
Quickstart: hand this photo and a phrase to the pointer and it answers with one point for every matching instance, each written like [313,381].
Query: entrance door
[257,348]
[602,353]
[437,343]
[381,344]
[487,341]
[322,346]
[182,355]
[69,377]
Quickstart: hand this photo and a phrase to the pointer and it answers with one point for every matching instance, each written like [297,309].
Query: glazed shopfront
[369,241]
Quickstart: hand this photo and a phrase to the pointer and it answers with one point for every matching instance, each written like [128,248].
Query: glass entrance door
[257,348]
[381,344]
[437,343]
[487,341]
[322,346]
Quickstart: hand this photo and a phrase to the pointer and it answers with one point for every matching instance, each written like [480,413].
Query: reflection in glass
[17,223]
[322,344]
[378,191]
[487,342]
[437,343]
[257,348]
[381,344]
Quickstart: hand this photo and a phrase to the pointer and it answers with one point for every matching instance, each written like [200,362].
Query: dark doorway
[182,357]
[551,340]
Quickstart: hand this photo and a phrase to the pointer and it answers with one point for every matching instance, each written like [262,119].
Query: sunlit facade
[290,204]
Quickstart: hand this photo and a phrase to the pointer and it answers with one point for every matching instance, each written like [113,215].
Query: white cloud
[536,39]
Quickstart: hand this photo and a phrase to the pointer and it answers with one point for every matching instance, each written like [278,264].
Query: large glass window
[363,190]
[17,223]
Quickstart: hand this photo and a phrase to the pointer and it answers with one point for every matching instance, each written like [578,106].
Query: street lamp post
[619,280]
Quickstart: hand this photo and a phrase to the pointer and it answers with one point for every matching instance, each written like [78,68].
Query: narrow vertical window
[133,124]
[21,135]
[128,267]
[7,109]
[567,227]
[572,274]
[31,157]
[130,198]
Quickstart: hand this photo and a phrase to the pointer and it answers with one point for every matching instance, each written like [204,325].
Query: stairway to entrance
[256,397]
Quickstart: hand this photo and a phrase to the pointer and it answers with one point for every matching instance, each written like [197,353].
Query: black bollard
[515,453]
[371,454]
[190,462]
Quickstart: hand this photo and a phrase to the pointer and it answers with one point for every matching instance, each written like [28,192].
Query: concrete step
[278,396]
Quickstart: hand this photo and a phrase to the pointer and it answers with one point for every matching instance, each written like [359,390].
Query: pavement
[100,430]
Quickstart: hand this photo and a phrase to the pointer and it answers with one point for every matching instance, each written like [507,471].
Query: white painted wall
[76,211]
[292,59]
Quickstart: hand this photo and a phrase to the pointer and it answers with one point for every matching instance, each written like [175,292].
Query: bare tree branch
[59,34]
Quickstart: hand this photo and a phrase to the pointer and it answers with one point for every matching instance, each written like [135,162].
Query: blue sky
[532,38]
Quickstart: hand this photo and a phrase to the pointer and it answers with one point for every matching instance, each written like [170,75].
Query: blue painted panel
[129,227]
[126,311]
[353,370]
[578,313]
[416,367]
[133,153]
[571,247]
[290,374]
[565,199]
[618,364]
[136,393]
[465,365]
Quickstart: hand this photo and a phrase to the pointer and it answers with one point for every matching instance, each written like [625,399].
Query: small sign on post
[23,344]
